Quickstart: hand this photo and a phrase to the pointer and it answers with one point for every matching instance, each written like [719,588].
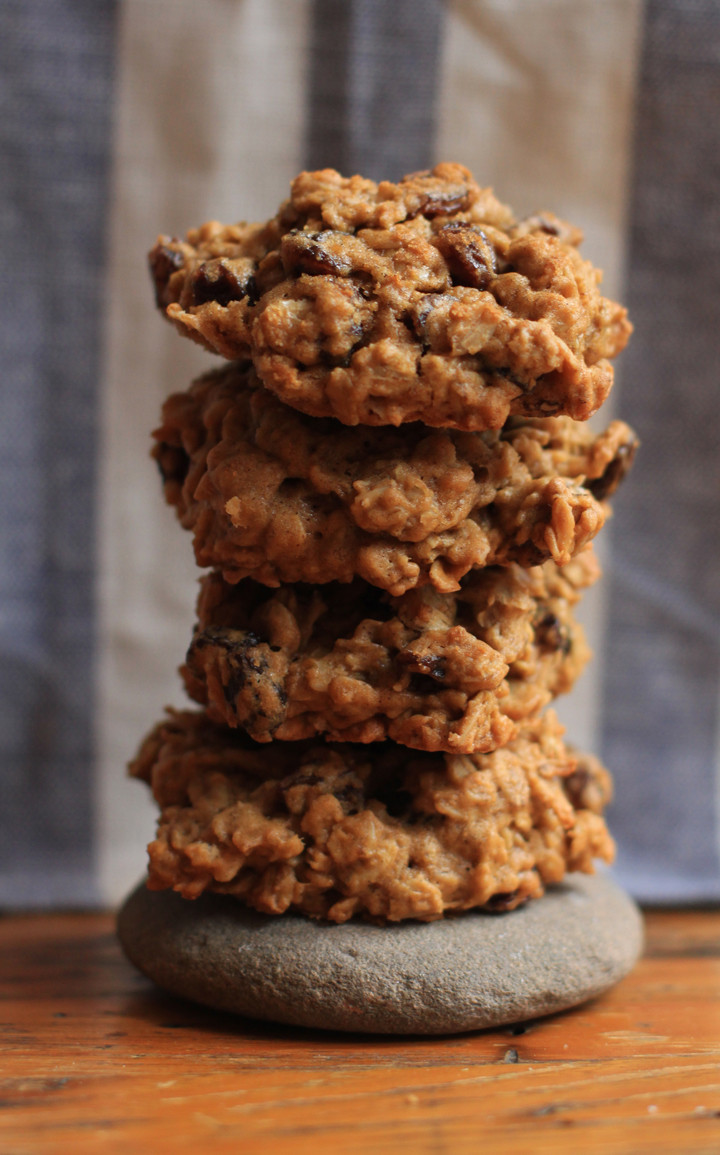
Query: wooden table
[94,1059]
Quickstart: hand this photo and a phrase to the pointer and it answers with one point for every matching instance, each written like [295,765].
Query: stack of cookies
[393,489]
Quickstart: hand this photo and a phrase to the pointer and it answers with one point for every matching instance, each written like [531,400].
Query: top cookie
[383,303]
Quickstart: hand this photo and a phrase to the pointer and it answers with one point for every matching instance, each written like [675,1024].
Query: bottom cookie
[465,973]
[337,830]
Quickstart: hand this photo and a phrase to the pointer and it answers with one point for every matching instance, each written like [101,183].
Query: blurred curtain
[127,118]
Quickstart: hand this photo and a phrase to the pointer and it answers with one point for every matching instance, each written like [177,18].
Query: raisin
[245,658]
[438,204]
[232,641]
[164,260]
[576,785]
[425,665]
[421,316]
[608,481]
[470,256]
[505,900]
[172,461]
[529,554]
[551,634]
[219,280]
[304,253]
[552,226]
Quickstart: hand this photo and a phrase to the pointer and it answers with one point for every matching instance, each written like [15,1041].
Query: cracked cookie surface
[432,671]
[425,300]
[272,494]
[335,831]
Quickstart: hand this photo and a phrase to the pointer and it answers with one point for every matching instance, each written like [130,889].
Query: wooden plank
[93,1058]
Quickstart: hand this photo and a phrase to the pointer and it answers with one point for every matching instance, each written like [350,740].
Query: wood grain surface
[95,1059]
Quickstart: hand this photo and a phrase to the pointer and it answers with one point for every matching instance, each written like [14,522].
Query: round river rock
[462,973]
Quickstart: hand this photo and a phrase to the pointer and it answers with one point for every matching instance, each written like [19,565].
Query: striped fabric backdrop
[130,117]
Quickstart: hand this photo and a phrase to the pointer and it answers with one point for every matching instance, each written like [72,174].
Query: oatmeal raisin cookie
[335,831]
[425,300]
[272,494]
[432,671]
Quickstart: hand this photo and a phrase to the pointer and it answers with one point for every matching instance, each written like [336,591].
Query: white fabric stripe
[209,123]
[526,90]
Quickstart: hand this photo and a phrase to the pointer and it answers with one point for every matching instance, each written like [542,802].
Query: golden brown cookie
[335,831]
[272,494]
[425,300]
[432,671]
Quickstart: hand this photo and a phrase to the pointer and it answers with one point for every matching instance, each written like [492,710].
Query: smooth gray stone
[463,973]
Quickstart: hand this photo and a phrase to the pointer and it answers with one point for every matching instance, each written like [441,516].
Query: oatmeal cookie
[272,494]
[432,671]
[425,300]
[335,831]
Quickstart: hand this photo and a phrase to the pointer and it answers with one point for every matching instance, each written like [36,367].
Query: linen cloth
[126,118]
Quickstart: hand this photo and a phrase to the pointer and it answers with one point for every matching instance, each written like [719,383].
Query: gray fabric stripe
[663,651]
[55,92]
[372,91]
